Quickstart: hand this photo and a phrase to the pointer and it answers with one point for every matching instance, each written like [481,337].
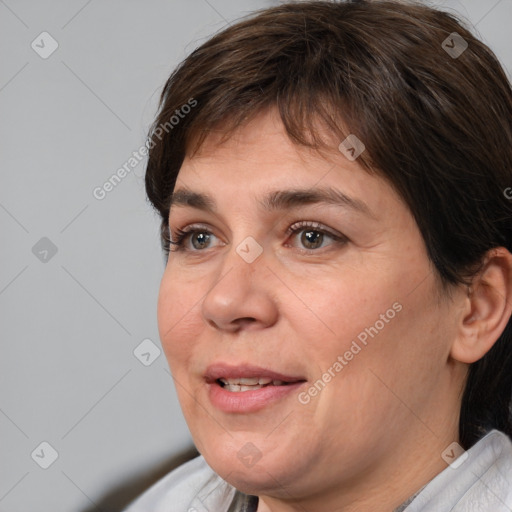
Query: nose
[240,297]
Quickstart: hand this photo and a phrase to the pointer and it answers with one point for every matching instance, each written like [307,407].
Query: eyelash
[182,234]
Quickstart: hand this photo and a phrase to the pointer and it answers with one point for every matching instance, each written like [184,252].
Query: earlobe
[487,308]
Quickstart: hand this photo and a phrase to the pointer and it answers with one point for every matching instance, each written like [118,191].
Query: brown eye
[192,239]
[312,239]
[311,236]
[200,239]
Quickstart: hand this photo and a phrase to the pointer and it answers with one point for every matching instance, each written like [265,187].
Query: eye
[192,238]
[313,235]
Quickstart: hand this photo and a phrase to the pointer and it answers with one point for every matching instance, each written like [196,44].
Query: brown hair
[437,126]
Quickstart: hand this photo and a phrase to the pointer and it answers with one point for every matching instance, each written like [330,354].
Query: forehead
[259,158]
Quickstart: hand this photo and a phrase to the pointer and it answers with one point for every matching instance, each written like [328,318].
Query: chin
[256,480]
[249,469]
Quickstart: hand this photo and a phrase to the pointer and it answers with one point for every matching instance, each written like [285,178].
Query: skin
[375,433]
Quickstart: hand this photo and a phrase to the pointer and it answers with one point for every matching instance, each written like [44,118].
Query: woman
[336,305]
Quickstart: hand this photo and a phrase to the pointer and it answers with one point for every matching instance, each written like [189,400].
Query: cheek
[394,356]
[177,319]
[334,311]
[383,319]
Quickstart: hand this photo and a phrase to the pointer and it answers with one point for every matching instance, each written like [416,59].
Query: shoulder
[185,489]
[479,480]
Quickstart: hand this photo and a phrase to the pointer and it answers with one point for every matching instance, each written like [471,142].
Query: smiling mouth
[245,388]
[247,377]
[249,383]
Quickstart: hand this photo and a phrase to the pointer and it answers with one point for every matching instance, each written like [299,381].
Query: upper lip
[232,371]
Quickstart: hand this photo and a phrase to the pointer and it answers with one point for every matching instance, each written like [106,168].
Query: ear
[487,308]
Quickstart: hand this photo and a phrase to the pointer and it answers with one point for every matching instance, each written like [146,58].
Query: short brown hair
[437,126]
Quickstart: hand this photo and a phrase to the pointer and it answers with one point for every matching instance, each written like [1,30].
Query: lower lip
[249,401]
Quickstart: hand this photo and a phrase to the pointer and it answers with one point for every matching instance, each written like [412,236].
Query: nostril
[244,321]
[231,326]
[234,325]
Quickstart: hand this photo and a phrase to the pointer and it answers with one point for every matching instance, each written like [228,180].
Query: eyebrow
[276,200]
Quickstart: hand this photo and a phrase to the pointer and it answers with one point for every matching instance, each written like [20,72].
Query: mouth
[243,388]
[248,383]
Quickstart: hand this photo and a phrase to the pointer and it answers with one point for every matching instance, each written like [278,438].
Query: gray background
[70,321]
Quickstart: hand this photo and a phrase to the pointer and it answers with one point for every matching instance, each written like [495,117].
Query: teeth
[236,388]
[249,383]
[250,388]
[232,387]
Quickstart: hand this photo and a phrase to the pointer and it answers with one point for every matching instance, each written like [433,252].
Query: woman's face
[304,269]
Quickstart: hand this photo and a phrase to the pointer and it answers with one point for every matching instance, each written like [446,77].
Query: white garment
[482,483]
